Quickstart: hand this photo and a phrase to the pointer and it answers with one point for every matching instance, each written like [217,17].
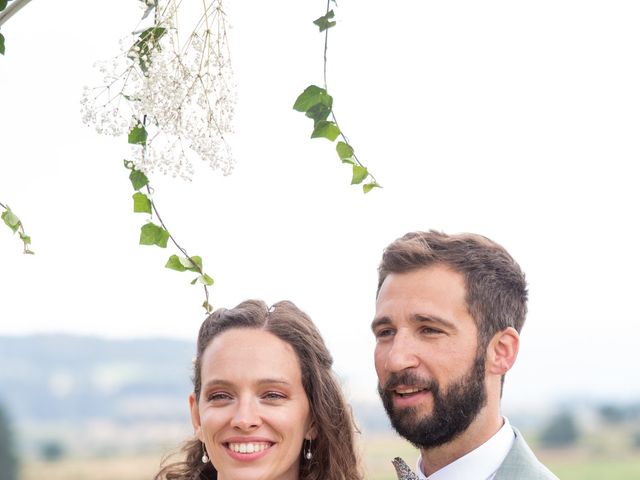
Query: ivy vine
[172,96]
[317,104]
[3,5]
[196,123]
[158,235]
[12,221]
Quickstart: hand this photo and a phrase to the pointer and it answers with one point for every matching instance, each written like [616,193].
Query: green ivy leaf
[359,174]
[138,179]
[325,129]
[152,35]
[138,135]
[193,264]
[203,279]
[3,4]
[367,187]
[148,40]
[141,203]
[312,95]
[182,264]
[324,22]
[1,44]
[152,234]
[319,112]
[10,220]
[345,152]
[174,263]
[26,239]
[207,306]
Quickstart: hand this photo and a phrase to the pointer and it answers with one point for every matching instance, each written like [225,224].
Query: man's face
[430,373]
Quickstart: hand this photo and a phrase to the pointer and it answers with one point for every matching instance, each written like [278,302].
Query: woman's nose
[247,415]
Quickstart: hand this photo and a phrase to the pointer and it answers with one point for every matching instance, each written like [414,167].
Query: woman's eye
[218,397]
[274,396]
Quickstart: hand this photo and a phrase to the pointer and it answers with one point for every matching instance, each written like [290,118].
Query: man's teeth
[407,391]
[248,447]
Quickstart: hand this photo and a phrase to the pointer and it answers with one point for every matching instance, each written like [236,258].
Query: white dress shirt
[479,464]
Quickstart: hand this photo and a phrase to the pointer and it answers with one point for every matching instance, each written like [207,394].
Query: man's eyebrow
[434,319]
[380,321]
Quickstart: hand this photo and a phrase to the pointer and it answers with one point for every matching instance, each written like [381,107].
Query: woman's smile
[253,421]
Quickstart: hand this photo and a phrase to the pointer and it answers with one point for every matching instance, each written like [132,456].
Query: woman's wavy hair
[334,451]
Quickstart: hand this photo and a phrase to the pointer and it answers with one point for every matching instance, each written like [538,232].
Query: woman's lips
[247,451]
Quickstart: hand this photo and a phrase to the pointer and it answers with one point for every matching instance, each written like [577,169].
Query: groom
[449,312]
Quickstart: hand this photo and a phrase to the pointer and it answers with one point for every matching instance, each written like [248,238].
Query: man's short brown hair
[496,290]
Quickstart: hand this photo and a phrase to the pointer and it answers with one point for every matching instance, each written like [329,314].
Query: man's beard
[453,410]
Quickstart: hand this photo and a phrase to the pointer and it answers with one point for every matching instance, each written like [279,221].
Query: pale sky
[516,120]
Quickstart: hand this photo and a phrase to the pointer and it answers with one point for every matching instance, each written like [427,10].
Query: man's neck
[483,427]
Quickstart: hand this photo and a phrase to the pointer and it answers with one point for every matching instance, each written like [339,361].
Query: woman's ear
[503,351]
[195,416]
[312,432]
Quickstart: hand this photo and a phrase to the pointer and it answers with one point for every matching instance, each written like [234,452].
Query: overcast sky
[516,120]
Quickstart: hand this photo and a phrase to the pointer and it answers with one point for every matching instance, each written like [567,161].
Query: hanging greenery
[317,104]
[11,220]
[172,95]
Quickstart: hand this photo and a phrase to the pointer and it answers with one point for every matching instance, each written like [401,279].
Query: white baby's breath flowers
[183,93]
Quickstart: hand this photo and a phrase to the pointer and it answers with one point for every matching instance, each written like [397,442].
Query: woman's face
[253,412]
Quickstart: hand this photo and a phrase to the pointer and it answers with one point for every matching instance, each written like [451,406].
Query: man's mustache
[408,379]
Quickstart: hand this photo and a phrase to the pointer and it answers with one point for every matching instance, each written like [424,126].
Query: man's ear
[503,351]
[195,416]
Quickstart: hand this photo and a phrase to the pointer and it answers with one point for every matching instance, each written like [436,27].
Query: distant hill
[102,395]
[62,377]
[95,395]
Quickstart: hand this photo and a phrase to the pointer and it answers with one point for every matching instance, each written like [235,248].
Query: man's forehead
[436,293]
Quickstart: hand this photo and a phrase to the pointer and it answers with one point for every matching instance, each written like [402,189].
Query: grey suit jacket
[519,464]
[522,464]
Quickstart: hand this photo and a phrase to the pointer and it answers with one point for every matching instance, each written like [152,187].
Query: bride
[265,403]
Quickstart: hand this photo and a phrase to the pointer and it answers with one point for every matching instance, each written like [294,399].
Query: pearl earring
[205,457]
[307,450]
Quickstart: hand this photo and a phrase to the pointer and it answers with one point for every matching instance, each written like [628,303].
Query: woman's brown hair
[334,453]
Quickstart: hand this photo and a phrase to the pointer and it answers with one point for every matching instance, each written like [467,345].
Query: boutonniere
[403,470]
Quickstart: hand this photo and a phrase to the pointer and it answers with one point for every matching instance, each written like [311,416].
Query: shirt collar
[481,463]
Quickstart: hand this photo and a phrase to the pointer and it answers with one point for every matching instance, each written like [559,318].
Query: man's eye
[431,330]
[385,332]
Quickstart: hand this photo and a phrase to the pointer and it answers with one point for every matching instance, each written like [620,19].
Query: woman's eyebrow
[262,381]
[273,381]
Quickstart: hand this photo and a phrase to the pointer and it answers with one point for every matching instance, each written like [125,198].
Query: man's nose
[403,353]
[247,415]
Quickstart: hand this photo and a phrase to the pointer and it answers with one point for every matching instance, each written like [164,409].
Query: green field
[570,464]
[623,469]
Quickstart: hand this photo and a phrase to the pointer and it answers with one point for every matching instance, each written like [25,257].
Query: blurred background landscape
[516,120]
[80,407]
